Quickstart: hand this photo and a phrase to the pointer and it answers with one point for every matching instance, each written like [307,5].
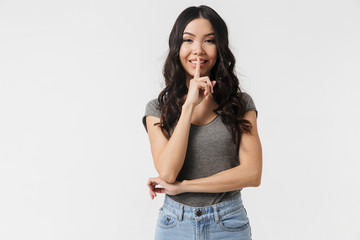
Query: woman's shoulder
[151,109]
[153,103]
[246,96]
[249,102]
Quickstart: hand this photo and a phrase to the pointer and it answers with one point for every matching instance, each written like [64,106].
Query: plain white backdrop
[75,77]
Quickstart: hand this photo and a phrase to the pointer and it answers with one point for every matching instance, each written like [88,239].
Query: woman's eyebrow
[208,34]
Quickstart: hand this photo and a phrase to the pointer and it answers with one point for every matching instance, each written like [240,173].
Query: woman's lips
[193,63]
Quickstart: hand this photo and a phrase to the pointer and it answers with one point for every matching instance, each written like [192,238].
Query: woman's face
[198,41]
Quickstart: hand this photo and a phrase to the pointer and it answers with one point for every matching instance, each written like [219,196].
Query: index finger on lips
[197,69]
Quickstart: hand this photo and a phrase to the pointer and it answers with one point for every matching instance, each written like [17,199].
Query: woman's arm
[169,155]
[247,174]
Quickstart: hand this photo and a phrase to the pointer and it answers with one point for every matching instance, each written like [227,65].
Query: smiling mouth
[204,61]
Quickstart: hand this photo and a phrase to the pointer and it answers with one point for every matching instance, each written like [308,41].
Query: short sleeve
[151,109]
[250,105]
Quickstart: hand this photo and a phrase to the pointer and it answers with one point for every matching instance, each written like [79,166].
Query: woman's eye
[187,40]
[210,40]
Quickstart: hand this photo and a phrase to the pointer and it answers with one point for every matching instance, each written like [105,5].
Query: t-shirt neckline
[213,120]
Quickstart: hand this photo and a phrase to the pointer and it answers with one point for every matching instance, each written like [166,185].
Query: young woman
[203,135]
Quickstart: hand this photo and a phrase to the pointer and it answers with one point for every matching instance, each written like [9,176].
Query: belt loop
[216,214]
[181,212]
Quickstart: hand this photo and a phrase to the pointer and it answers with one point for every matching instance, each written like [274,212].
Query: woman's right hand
[168,188]
[199,87]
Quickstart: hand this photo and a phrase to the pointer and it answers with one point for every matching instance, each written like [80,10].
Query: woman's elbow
[168,178]
[166,173]
[256,176]
[256,180]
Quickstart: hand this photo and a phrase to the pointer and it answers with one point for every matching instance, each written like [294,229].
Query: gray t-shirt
[210,150]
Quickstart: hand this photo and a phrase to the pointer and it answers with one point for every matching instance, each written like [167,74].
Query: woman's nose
[197,48]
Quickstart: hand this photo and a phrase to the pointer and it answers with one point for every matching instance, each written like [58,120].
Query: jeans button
[198,213]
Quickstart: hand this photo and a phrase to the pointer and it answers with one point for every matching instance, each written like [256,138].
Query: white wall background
[75,77]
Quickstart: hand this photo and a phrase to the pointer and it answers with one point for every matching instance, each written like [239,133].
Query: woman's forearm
[171,159]
[224,181]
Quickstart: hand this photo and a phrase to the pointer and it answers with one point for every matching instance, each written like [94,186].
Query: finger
[212,86]
[207,88]
[203,86]
[160,190]
[151,195]
[208,82]
[153,181]
[151,191]
[197,69]
[150,184]
[209,85]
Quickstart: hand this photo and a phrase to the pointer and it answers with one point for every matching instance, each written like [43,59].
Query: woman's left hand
[168,188]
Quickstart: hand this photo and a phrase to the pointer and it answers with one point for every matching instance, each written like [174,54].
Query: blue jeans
[225,220]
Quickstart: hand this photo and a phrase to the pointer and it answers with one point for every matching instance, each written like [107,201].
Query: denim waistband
[182,211]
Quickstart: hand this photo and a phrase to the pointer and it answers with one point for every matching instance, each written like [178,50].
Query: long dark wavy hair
[227,93]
